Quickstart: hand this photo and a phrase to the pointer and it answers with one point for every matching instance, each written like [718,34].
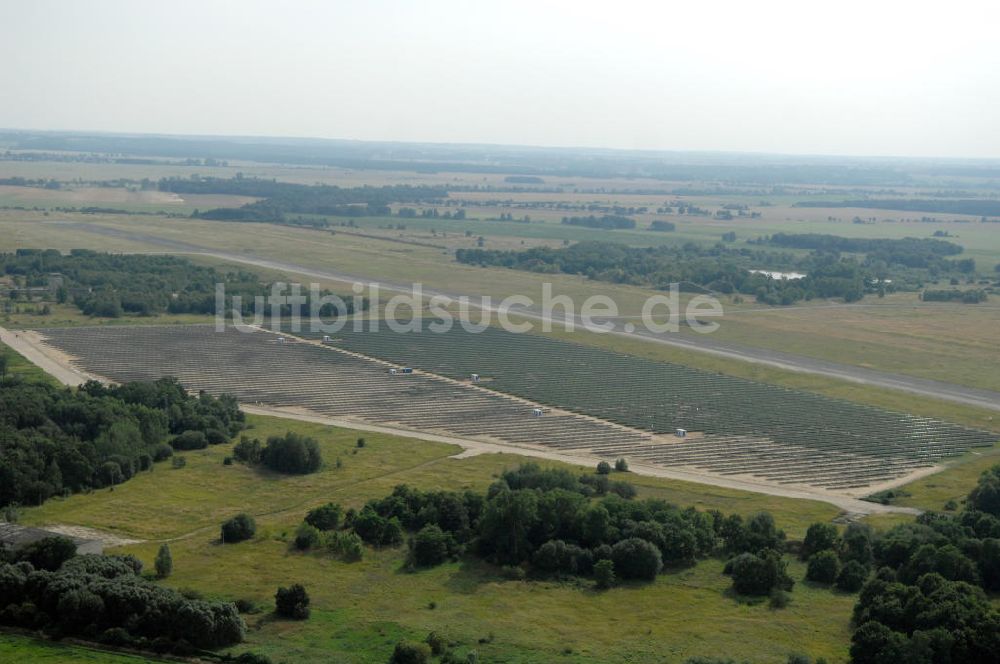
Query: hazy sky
[847,77]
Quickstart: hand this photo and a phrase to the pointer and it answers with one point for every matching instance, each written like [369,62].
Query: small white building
[281,340]
[537,412]
[393,372]
[475,378]
[681,433]
[326,337]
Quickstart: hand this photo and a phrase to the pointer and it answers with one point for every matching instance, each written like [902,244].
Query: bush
[852,576]
[326,517]
[779,599]
[603,468]
[48,553]
[819,537]
[823,567]
[758,574]
[292,453]
[162,452]
[636,558]
[239,528]
[178,462]
[437,643]
[409,652]
[307,537]
[292,602]
[348,546]
[190,440]
[360,443]
[431,546]
[621,465]
[604,574]
[164,563]
[216,437]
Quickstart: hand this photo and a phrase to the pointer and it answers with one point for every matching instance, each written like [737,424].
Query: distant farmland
[738,427]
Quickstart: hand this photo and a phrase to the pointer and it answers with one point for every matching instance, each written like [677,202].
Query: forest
[56,441]
[695,268]
[112,285]
[45,586]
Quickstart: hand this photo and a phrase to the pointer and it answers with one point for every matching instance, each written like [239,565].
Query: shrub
[636,558]
[216,437]
[348,546]
[239,528]
[247,451]
[48,553]
[852,576]
[360,443]
[326,517]
[190,440]
[623,489]
[431,546]
[244,605]
[307,537]
[823,567]
[758,574]
[604,574]
[178,462]
[437,643]
[292,602]
[779,599]
[603,468]
[292,453]
[164,563]
[162,452]
[621,465]
[409,652]
[819,537]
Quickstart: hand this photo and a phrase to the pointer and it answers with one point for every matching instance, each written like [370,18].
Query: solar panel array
[739,427]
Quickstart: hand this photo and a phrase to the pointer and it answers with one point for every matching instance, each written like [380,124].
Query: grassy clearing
[953,483]
[362,609]
[17,365]
[22,648]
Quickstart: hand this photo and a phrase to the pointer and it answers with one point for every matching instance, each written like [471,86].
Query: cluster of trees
[660,225]
[551,521]
[974,296]
[607,222]
[44,586]
[292,453]
[112,285]
[927,601]
[718,268]
[56,441]
[283,198]
[923,253]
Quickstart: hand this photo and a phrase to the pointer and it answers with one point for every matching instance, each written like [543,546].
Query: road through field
[701,343]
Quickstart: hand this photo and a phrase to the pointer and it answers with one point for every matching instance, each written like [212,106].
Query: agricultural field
[360,610]
[738,427]
[23,648]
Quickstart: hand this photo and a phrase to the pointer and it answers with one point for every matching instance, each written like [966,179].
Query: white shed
[681,433]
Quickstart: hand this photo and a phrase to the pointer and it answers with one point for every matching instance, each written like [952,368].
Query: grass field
[15,647]
[362,609]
